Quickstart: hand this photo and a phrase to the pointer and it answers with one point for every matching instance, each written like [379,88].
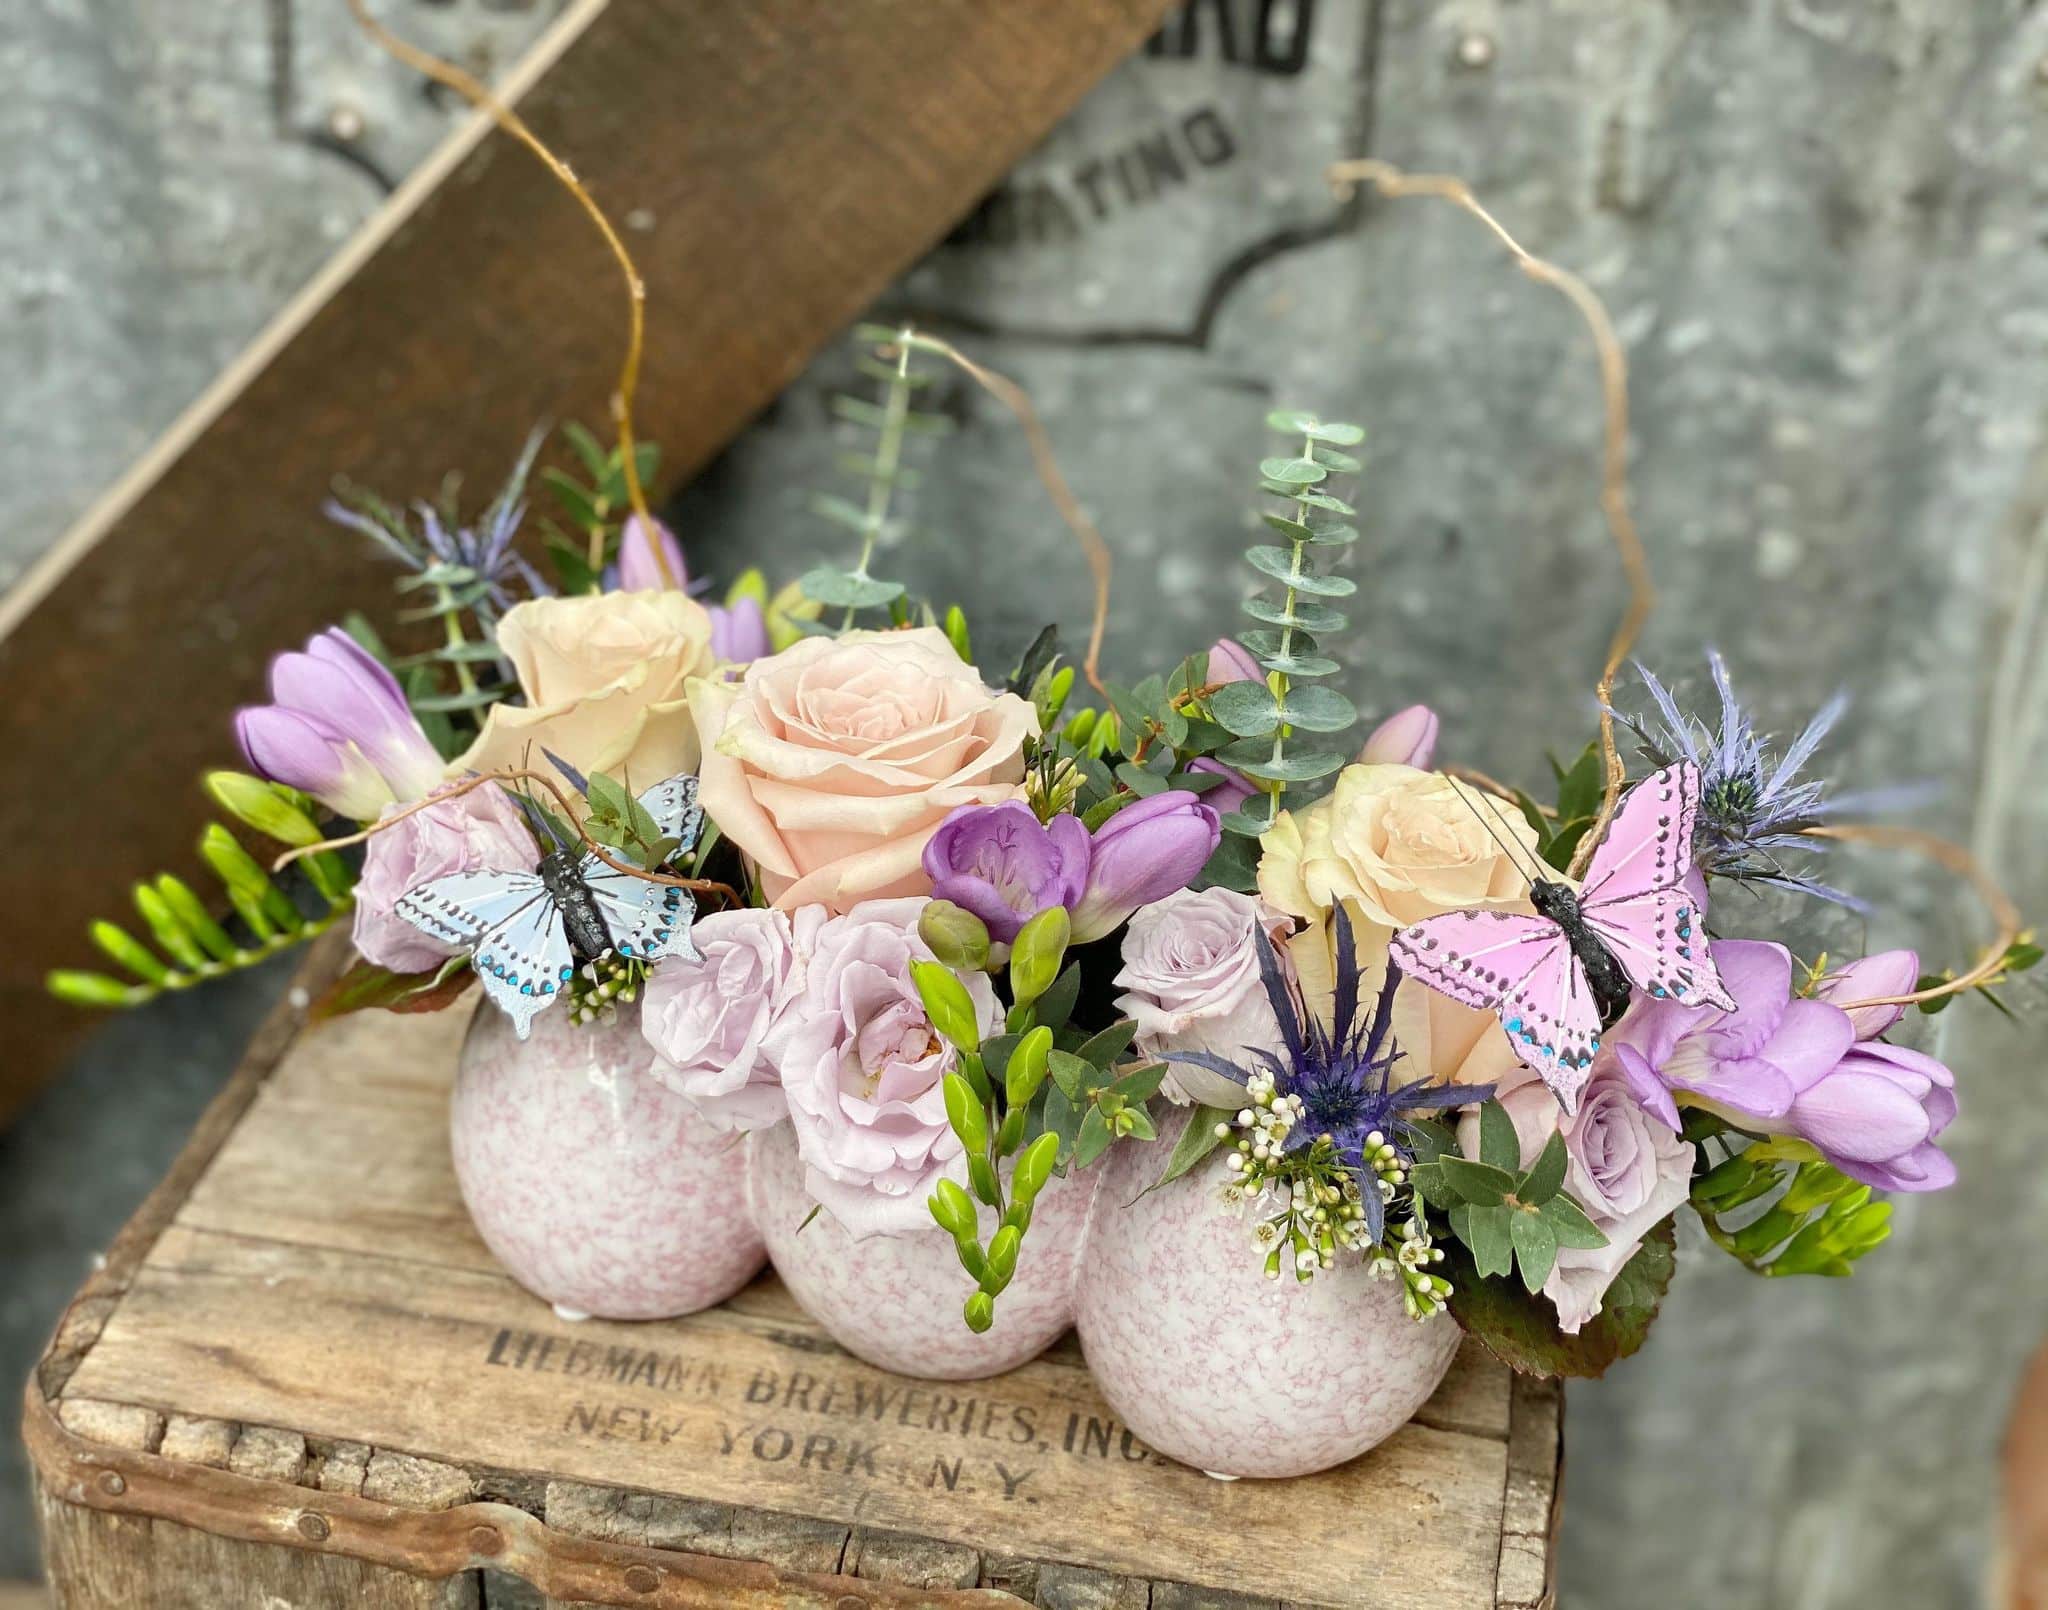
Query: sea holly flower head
[1755,807]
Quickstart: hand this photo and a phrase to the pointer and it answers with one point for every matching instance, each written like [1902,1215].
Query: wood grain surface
[321,1278]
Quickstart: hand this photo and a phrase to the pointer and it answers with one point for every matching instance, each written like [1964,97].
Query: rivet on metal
[1475,51]
[114,1483]
[314,1526]
[485,1540]
[642,1579]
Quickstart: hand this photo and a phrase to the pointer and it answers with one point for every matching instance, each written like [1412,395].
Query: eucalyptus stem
[451,617]
[1280,680]
[888,462]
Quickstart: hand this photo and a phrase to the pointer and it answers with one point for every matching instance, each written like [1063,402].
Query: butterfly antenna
[1514,852]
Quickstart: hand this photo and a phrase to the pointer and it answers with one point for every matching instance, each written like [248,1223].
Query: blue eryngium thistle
[1754,809]
[1342,1075]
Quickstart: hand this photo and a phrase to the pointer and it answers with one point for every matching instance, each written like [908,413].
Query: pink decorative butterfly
[1555,977]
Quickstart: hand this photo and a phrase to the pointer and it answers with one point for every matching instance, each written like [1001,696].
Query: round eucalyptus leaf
[1319,709]
[1245,709]
[1341,463]
[843,588]
[1333,536]
[1326,501]
[1296,766]
[1303,665]
[1309,617]
[1293,472]
[1292,422]
[1336,434]
[1260,642]
[1291,529]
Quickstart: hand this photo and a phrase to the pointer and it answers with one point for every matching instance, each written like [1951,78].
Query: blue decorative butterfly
[530,931]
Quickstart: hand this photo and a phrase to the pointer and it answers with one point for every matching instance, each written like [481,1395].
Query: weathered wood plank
[723,1408]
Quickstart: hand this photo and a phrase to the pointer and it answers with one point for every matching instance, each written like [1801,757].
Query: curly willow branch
[1013,397]
[1964,865]
[474,91]
[1391,182]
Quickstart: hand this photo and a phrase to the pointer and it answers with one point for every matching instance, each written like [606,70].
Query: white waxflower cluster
[1422,1293]
[599,986]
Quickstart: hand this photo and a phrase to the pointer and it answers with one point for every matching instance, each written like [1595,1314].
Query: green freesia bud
[1034,1168]
[981,1174]
[121,946]
[979,1312]
[956,935]
[1040,948]
[947,1004]
[259,805]
[953,1209]
[966,1114]
[1028,1063]
[1011,1135]
[90,989]
[1002,1258]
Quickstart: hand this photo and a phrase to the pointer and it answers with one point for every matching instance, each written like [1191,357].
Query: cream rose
[1395,845]
[603,675]
[831,763]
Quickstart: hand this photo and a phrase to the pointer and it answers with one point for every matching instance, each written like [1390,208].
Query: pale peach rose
[831,763]
[1396,845]
[603,675]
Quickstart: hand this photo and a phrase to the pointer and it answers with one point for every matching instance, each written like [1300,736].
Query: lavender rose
[1002,864]
[862,1070]
[708,1018]
[1623,1167]
[1191,983]
[480,831]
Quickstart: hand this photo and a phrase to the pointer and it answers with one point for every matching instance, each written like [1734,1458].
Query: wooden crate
[301,1380]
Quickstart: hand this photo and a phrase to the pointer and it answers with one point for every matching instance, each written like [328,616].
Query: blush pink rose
[481,831]
[1190,982]
[861,1068]
[1625,1168]
[831,763]
[708,1018]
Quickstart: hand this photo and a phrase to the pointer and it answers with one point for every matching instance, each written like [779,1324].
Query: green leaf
[1072,1075]
[1056,1005]
[1094,1138]
[1546,1175]
[1310,617]
[1319,710]
[1062,1119]
[1296,766]
[1535,1247]
[1568,1222]
[1102,1050]
[1492,1242]
[1522,1330]
[1245,709]
[1579,789]
[1279,564]
[1140,1084]
[1139,781]
[1196,1142]
[1292,472]
[842,588]
[1478,1183]
[1498,1145]
[1299,665]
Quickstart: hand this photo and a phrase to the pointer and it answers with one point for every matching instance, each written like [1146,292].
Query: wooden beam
[782,162]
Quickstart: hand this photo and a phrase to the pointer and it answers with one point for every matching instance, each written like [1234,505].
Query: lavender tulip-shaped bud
[1231,661]
[639,570]
[1407,738]
[1142,854]
[1886,972]
[1228,795]
[339,728]
[1877,1115]
[739,632]
[1005,866]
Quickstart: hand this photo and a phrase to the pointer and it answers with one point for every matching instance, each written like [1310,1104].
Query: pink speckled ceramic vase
[598,1188]
[1215,1365]
[894,1300]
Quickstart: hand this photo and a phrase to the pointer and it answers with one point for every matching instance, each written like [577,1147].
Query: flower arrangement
[952,943]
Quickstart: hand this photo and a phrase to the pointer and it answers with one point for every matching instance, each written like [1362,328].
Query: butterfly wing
[675,810]
[1636,898]
[647,920]
[513,928]
[1521,967]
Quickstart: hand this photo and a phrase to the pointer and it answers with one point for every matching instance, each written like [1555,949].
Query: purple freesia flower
[1783,1065]
[639,571]
[1004,865]
[1231,661]
[1749,1064]
[1882,973]
[1407,737]
[338,728]
[1142,854]
[739,632]
[1228,795]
